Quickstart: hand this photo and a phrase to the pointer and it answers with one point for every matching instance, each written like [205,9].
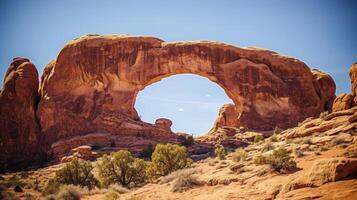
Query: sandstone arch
[93,83]
[87,94]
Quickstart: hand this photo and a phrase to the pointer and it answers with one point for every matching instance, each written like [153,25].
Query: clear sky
[322,33]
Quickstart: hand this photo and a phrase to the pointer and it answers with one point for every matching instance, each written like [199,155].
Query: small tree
[220,152]
[168,158]
[279,160]
[121,167]
[77,172]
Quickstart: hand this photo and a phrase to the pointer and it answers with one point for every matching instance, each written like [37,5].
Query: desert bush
[118,188]
[260,160]
[239,155]
[111,195]
[168,158]
[182,179]
[52,187]
[121,167]
[267,146]
[174,175]
[13,181]
[69,192]
[77,172]
[277,130]
[258,138]
[297,153]
[147,151]
[279,160]
[220,152]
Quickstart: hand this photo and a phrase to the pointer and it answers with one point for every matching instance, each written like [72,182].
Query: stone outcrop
[332,124]
[163,123]
[91,88]
[346,101]
[324,171]
[19,130]
[325,87]
[97,87]
[342,102]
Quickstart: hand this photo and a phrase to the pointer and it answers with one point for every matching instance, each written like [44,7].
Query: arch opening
[190,101]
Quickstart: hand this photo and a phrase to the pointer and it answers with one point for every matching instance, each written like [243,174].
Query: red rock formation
[342,102]
[325,87]
[353,76]
[92,86]
[20,133]
[346,101]
[97,86]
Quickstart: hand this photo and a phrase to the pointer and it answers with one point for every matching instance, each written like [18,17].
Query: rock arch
[94,81]
[87,94]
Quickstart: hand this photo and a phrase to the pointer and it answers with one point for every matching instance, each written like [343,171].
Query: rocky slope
[90,89]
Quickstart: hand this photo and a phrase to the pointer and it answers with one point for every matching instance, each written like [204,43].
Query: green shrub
[258,138]
[260,160]
[279,160]
[168,158]
[220,152]
[77,172]
[121,167]
[239,155]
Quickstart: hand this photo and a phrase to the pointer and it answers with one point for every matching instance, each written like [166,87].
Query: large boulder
[342,102]
[325,87]
[20,132]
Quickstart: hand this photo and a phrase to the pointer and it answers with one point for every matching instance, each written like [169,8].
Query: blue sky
[322,33]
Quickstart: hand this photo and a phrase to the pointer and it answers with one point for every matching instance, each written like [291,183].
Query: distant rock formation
[346,101]
[91,88]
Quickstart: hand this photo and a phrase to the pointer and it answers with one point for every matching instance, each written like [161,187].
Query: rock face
[19,130]
[342,102]
[353,76]
[97,86]
[91,88]
[325,87]
[346,101]
[324,171]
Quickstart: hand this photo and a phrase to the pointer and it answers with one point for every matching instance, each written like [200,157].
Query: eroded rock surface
[91,88]
[97,86]
[19,130]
